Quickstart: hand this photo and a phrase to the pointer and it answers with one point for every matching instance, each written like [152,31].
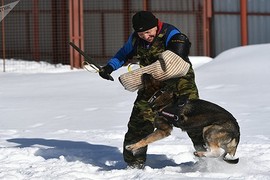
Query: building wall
[258,21]
[226,31]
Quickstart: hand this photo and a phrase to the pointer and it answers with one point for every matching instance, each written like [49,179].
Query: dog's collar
[169,115]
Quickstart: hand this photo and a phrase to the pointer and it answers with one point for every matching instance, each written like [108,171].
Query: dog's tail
[231,160]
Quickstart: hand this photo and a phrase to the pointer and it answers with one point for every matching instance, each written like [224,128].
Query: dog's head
[153,90]
[161,99]
[166,103]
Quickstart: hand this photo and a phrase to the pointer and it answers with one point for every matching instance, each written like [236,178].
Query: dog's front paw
[134,149]
[130,147]
[199,153]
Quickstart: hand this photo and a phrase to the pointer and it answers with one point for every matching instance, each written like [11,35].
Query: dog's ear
[181,100]
[146,80]
[150,83]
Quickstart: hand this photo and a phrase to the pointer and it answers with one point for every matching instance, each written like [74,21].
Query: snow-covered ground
[71,124]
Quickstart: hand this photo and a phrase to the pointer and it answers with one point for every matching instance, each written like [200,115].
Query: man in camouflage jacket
[150,38]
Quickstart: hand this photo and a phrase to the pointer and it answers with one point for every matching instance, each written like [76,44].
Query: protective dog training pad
[169,65]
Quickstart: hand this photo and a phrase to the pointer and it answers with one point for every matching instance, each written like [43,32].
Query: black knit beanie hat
[144,20]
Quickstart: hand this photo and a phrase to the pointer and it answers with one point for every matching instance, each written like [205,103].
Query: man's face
[148,35]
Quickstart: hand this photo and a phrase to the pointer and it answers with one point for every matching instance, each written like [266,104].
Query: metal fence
[39,30]
[226,24]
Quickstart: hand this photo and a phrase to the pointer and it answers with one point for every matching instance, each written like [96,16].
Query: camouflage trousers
[142,117]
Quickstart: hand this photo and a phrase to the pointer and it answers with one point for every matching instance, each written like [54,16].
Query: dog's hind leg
[213,151]
[231,147]
[231,150]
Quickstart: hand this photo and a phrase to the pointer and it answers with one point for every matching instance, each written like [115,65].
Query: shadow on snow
[103,156]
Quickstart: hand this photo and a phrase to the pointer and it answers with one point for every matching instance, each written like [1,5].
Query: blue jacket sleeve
[171,34]
[122,55]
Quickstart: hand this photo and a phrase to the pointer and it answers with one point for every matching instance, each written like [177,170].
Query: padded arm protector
[169,65]
[180,45]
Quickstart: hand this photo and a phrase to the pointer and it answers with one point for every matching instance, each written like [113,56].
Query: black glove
[105,72]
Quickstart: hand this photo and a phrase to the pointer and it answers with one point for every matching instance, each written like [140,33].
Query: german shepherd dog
[217,127]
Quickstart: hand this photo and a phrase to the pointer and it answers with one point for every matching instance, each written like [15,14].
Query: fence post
[207,15]
[36,51]
[244,27]
[76,31]
[3,40]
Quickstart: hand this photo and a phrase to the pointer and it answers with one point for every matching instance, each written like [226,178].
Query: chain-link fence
[39,30]
[36,30]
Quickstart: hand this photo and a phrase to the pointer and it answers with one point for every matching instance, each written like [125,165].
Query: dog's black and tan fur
[218,128]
